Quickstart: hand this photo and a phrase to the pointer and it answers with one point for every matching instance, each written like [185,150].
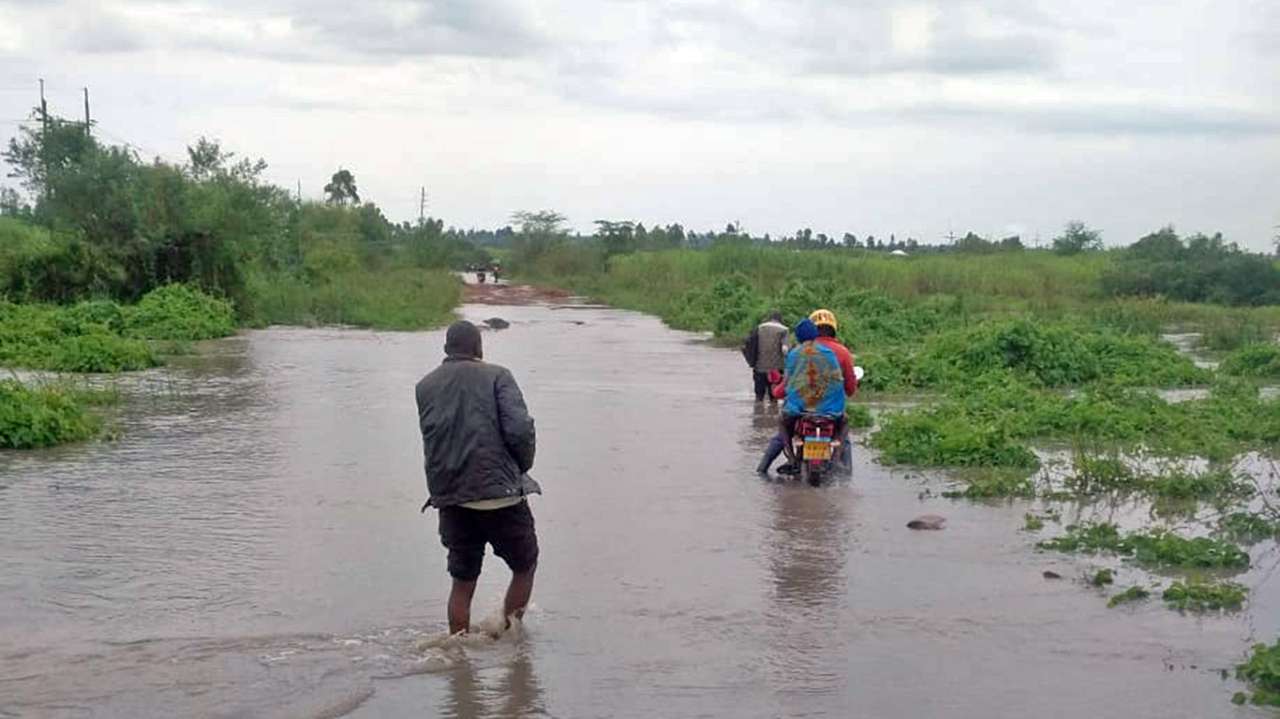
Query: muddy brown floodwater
[251,546]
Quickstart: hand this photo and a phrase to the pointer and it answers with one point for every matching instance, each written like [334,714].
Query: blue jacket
[815,382]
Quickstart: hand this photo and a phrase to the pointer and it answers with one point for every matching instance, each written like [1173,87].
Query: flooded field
[251,546]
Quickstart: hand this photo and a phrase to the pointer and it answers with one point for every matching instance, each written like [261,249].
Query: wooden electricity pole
[87,122]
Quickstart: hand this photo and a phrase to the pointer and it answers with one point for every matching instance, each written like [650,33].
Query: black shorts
[510,530]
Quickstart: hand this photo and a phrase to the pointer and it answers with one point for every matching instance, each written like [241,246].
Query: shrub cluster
[41,416]
[102,336]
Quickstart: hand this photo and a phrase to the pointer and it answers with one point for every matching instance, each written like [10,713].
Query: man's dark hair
[775,315]
[826,331]
[463,340]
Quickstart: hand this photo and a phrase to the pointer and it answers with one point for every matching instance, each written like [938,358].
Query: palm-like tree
[342,187]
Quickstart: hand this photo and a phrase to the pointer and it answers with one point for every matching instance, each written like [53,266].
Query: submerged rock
[927,521]
[1050,574]
[497,323]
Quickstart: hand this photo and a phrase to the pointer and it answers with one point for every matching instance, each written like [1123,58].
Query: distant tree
[850,239]
[1163,244]
[11,204]
[1012,242]
[973,243]
[617,237]
[1077,238]
[342,188]
[539,232]
[731,229]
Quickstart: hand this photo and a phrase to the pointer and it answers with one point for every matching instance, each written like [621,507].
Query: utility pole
[299,191]
[422,206]
[87,122]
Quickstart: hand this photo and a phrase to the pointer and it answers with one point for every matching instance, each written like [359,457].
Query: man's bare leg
[518,593]
[460,606]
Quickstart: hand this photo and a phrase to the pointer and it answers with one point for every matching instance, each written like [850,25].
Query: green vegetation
[103,336]
[1195,269]
[1234,332]
[1201,596]
[1157,547]
[178,312]
[44,416]
[1256,360]
[1102,578]
[1248,527]
[1032,523]
[1262,672]
[990,422]
[1132,594]
[106,225]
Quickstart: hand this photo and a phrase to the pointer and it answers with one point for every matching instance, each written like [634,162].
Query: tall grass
[398,299]
[1043,284]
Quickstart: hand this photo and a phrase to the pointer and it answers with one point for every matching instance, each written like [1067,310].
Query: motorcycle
[817,448]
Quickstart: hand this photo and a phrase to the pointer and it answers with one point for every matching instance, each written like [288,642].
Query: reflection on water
[807,550]
[252,546]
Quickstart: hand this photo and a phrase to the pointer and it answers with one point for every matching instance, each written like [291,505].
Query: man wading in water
[478,441]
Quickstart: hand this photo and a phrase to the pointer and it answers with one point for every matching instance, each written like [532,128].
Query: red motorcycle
[818,446]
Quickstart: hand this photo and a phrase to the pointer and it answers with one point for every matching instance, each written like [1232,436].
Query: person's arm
[850,379]
[514,420]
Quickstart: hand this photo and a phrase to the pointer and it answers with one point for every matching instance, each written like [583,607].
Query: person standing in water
[478,444]
[770,355]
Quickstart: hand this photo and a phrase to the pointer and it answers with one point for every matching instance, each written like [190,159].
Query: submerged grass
[1156,547]
[1200,596]
[1128,596]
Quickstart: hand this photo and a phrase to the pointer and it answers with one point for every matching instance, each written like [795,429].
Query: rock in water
[927,521]
[497,323]
[1050,574]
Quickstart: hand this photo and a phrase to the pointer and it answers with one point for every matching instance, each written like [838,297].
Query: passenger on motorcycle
[814,379]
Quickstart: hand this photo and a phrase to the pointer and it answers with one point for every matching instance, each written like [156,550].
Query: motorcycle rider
[827,326]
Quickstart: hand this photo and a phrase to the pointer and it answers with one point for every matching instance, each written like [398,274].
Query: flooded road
[251,546]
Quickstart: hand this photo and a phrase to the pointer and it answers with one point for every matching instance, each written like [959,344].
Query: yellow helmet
[824,317]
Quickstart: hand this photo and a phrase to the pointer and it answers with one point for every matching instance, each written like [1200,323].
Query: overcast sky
[914,118]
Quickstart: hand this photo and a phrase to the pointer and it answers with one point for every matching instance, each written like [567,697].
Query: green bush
[1257,360]
[41,416]
[179,312]
[1262,672]
[74,339]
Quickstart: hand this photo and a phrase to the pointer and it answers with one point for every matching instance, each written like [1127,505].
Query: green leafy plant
[42,416]
[1262,672]
[1201,596]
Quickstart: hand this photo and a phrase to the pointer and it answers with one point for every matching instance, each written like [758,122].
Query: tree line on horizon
[119,226]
